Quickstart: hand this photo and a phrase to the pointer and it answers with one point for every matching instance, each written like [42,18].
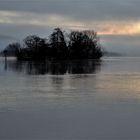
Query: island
[60,45]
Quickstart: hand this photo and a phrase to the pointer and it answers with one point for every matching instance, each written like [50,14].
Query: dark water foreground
[70,100]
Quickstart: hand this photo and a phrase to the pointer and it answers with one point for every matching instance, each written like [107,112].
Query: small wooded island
[58,46]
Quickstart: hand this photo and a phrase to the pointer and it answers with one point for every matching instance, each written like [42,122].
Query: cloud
[19,18]
[79,9]
[53,20]
[106,17]
[24,18]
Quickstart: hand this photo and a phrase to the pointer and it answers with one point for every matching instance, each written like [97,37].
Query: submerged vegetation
[58,46]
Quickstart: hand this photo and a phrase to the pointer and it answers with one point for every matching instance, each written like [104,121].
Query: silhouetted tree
[58,44]
[35,47]
[33,42]
[92,44]
[84,44]
[75,44]
[12,49]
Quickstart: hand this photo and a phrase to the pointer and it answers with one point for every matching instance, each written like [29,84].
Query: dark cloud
[81,9]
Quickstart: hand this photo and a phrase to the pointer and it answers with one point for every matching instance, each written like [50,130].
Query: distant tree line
[59,46]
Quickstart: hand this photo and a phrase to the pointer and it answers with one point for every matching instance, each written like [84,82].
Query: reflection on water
[54,68]
[88,100]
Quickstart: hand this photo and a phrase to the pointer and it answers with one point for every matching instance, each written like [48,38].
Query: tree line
[58,46]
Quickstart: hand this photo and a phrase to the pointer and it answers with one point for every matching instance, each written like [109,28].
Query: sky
[116,22]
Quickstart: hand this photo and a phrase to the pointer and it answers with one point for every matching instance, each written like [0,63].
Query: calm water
[70,100]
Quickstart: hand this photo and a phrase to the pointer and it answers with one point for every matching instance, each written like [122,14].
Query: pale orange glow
[129,86]
[112,27]
[133,29]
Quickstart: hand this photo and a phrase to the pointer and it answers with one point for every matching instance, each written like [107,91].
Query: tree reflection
[55,67]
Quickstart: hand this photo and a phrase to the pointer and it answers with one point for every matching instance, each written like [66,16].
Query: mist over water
[70,100]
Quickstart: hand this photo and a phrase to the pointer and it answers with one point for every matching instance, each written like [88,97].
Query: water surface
[70,100]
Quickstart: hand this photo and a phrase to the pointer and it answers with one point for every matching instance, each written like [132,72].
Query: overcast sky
[117,22]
